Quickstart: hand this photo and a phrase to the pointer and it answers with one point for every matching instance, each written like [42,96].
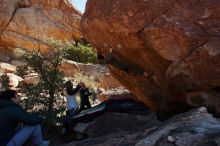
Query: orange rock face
[165,52]
[30,23]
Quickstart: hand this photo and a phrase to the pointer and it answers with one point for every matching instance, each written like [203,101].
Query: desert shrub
[81,53]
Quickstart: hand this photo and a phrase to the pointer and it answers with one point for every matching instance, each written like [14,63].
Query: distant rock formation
[30,23]
[106,81]
[166,52]
[70,69]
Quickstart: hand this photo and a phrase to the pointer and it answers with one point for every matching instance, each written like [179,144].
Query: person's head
[100,56]
[8,95]
[82,84]
[68,84]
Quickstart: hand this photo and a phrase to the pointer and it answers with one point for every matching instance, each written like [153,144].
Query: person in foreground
[11,115]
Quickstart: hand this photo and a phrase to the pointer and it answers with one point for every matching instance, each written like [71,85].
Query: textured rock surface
[5,54]
[30,23]
[7,68]
[166,52]
[116,93]
[32,78]
[13,79]
[194,128]
[117,129]
[117,122]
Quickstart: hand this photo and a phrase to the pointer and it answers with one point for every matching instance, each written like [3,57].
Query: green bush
[81,53]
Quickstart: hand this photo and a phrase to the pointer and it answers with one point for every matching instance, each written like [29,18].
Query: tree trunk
[50,107]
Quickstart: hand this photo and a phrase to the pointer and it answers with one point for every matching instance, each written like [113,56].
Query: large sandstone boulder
[166,52]
[30,23]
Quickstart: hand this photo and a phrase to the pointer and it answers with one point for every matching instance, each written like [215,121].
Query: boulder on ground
[194,128]
[7,68]
[13,79]
[161,50]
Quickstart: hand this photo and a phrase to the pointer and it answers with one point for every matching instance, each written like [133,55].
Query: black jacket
[84,94]
[72,91]
[11,115]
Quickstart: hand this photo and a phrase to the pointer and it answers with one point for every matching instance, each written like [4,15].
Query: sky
[79,4]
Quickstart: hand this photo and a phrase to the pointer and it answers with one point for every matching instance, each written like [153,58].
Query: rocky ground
[193,128]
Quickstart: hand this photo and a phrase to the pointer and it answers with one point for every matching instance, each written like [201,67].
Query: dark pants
[83,104]
[68,120]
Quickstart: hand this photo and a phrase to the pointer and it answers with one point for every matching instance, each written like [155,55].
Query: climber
[11,116]
[117,61]
[100,57]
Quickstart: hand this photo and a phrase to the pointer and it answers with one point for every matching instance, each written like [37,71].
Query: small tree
[44,95]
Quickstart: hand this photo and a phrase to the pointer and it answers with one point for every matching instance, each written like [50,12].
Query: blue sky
[80,4]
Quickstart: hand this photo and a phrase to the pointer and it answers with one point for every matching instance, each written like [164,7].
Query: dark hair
[68,83]
[100,56]
[8,94]
[83,84]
